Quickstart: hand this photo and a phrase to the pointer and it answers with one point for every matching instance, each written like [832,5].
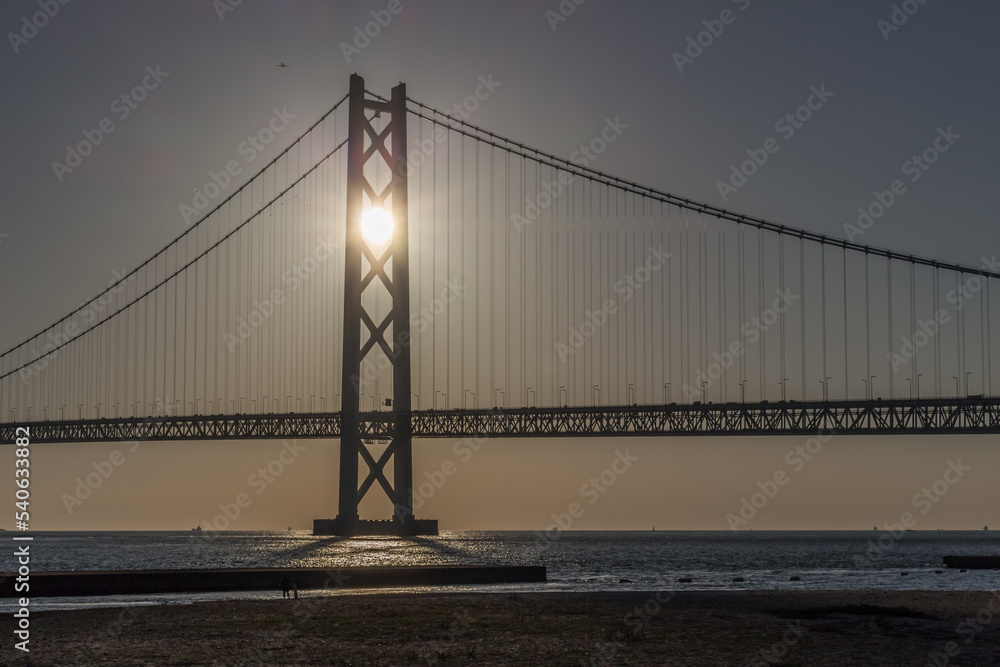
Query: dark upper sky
[62,235]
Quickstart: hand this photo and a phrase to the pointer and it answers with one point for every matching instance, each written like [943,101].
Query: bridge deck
[938,416]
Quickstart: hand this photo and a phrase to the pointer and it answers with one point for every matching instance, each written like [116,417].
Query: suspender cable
[868,336]
[847,345]
[915,382]
[781,316]
[760,309]
[506,290]
[822,273]
[666,286]
[743,312]
[888,276]
[723,302]
[989,339]
[961,329]
[802,313]
[937,342]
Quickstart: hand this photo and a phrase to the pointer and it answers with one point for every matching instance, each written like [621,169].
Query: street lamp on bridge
[826,392]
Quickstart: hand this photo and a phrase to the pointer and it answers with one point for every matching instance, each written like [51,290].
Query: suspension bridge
[399,273]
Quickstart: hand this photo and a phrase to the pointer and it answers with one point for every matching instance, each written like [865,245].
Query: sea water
[576,561]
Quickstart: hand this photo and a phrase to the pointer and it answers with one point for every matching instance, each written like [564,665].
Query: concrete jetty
[973,562]
[138,582]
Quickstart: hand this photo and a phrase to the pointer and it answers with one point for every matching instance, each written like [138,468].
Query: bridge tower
[387,263]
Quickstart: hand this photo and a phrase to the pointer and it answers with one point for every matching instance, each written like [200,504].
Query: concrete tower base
[359,527]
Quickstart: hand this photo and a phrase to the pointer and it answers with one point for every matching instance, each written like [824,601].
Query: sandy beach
[886,628]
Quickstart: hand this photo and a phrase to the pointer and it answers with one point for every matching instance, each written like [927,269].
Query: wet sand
[885,628]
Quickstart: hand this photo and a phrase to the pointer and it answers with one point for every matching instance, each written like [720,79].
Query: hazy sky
[62,235]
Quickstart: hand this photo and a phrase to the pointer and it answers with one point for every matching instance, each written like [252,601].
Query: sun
[376,226]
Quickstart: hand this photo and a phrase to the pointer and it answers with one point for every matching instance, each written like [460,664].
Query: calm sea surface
[576,561]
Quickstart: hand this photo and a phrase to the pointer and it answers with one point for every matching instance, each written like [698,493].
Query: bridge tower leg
[390,265]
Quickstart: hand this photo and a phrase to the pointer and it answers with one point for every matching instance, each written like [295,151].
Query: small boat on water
[196,529]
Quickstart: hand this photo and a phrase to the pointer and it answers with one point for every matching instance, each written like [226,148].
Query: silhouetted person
[295,587]
[284,587]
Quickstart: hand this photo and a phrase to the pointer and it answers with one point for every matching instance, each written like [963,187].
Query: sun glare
[376,226]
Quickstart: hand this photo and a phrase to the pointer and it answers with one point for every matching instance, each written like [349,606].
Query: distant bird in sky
[281,65]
